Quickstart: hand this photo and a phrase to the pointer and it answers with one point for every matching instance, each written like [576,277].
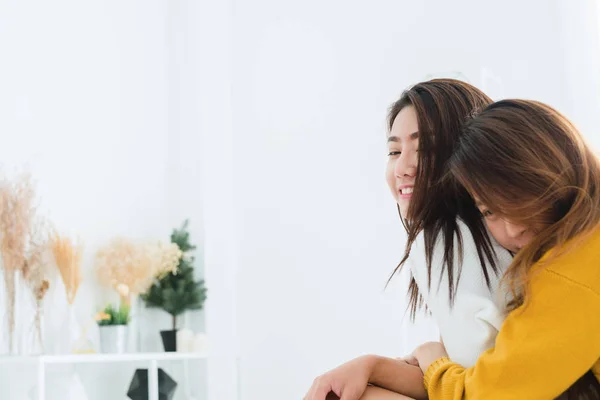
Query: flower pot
[169,339]
[113,338]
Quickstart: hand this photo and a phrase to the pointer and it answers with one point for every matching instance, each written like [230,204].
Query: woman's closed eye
[486,213]
[394,153]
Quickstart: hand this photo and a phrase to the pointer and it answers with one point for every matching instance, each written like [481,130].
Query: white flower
[123,290]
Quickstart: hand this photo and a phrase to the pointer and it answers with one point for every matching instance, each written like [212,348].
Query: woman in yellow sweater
[529,170]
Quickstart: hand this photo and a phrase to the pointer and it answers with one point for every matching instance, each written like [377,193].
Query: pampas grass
[130,267]
[67,255]
[16,215]
[24,247]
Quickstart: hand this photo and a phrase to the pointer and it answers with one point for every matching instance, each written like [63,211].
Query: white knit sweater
[470,325]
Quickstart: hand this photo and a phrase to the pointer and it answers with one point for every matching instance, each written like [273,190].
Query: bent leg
[375,393]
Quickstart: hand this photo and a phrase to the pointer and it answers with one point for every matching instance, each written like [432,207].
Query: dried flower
[39,261]
[165,256]
[68,260]
[123,290]
[130,268]
[41,291]
[16,214]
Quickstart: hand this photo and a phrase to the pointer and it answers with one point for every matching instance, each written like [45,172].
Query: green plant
[112,315]
[177,291]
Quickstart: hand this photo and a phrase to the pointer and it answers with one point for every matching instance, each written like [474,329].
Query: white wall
[83,102]
[97,100]
[580,40]
[263,121]
[186,160]
[316,231]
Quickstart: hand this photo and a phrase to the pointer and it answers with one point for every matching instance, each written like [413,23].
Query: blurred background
[263,123]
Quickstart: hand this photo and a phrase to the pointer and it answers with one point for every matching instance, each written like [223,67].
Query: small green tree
[177,292]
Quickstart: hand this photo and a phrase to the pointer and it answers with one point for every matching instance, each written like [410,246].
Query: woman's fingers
[319,390]
[409,359]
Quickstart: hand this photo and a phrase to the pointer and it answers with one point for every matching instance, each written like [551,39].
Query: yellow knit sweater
[542,348]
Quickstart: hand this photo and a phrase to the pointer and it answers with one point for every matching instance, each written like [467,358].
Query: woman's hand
[427,353]
[409,359]
[348,381]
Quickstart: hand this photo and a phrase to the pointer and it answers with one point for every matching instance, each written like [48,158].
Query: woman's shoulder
[466,261]
[470,320]
[578,260]
[469,245]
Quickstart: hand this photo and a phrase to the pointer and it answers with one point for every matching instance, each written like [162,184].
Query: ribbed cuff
[433,368]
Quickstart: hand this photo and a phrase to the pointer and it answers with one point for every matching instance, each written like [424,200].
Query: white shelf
[41,363]
[100,358]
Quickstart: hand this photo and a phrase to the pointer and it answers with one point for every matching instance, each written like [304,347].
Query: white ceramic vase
[113,339]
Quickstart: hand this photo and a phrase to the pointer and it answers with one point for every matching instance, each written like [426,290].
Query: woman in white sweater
[455,265]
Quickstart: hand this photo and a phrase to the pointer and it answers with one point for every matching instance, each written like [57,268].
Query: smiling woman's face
[403,143]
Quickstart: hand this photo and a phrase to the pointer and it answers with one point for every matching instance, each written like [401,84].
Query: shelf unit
[42,361]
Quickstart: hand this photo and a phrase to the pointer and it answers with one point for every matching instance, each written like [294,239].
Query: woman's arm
[350,380]
[541,350]
[398,376]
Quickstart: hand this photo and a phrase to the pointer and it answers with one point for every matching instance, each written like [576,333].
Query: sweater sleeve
[541,350]
[469,326]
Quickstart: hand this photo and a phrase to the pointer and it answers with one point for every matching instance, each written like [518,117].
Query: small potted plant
[113,328]
[177,291]
[130,267]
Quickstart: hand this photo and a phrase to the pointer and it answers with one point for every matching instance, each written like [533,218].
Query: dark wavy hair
[442,106]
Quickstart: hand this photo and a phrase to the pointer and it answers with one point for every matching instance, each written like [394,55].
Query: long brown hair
[527,163]
[442,106]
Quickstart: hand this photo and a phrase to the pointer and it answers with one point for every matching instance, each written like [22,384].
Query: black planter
[138,388]
[169,339]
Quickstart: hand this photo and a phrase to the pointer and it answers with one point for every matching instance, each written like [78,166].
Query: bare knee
[375,393]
